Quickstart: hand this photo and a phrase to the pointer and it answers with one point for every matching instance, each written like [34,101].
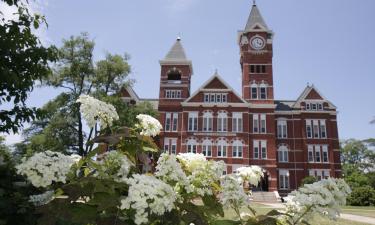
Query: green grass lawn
[318,220]
[360,210]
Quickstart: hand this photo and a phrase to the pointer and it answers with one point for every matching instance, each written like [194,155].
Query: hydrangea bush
[109,188]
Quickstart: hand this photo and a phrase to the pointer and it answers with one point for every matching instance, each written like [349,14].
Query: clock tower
[255,43]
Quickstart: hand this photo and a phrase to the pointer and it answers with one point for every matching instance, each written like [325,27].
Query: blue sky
[327,43]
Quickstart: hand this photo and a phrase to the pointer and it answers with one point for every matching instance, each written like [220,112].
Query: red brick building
[288,139]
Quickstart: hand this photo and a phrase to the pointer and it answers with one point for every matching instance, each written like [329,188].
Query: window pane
[252,68]
[254,94]
[258,68]
[263,94]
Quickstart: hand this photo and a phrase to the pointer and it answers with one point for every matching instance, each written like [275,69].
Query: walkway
[356,218]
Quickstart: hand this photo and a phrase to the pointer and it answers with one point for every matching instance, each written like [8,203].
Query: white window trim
[223,145]
[281,150]
[192,144]
[256,145]
[263,144]
[207,122]
[222,122]
[263,117]
[280,132]
[236,146]
[207,143]
[256,123]
[194,117]
[237,122]
[284,177]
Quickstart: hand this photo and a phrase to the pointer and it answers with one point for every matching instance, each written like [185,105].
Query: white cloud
[176,6]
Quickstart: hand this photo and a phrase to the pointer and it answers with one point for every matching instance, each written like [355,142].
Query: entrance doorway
[263,183]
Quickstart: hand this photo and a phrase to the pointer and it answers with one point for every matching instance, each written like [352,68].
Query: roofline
[189,63]
[215,75]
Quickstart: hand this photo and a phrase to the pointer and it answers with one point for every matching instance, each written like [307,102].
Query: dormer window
[314,106]
[215,97]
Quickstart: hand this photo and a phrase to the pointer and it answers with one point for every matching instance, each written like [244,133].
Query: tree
[61,128]
[15,207]
[23,61]
[111,74]
[74,73]
[356,156]
[309,180]
[55,130]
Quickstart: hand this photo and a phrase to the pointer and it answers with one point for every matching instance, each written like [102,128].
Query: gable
[313,94]
[215,84]
[213,91]
[125,93]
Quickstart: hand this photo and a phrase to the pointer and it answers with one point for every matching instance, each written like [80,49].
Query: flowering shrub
[149,126]
[232,194]
[324,197]
[94,110]
[114,164]
[170,171]
[46,167]
[148,193]
[42,199]
[252,174]
[185,189]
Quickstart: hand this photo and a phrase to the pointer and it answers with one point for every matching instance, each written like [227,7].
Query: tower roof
[255,18]
[177,52]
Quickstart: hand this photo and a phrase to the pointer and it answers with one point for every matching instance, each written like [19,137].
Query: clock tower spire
[255,43]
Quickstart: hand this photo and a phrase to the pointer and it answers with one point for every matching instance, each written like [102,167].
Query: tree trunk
[80,136]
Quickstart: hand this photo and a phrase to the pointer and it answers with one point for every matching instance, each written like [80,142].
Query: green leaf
[274,212]
[226,222]
[104,200]
[148,149]
[86,171]
[212,207]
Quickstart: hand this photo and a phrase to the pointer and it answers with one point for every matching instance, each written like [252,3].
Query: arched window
[222,148]
[192,146]
[254,91]
[237,149]
[282,153]
[222,121]
[207,121]
[263,91]
[207,148]
[174,76]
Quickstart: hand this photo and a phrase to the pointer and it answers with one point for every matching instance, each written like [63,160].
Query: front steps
[264,196]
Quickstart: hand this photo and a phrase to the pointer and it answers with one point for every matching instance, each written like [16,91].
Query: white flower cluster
[324,197]
[42,199]
[46,167]
[115,164]
[170,171]
[94,110]
[192,161]
[203,173]
[149,125]
[232,194]
[252,174]
[148,194]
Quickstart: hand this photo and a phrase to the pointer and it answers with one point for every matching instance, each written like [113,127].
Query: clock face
[257,43]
